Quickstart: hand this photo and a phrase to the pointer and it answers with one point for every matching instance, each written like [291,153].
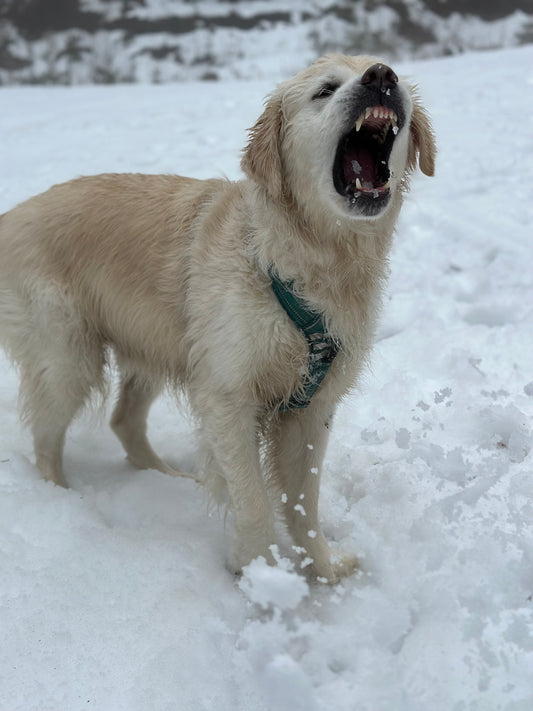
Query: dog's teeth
[358,184]
[376,113]
[368,112]
[359,121]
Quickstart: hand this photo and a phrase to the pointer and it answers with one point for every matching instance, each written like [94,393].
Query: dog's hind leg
[128,422]
[61,361]
[50,415]
[56,380]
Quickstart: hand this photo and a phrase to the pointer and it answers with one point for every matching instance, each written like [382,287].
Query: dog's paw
[241,555]
[343,564]
[340,565]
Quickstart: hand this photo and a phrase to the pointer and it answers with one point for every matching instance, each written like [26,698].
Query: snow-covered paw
[340,565]
[344,564]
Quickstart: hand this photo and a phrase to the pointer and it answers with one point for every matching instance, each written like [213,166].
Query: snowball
[269,586]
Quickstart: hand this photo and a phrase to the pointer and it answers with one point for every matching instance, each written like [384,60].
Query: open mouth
[361,168]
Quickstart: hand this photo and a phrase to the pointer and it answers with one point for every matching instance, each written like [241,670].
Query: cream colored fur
[170,274]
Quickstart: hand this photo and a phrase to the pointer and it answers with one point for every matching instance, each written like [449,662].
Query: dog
[175,278]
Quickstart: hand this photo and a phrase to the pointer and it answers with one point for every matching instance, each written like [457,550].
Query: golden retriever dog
[175,277]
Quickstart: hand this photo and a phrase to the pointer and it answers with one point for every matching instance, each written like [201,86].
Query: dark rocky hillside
[105,41]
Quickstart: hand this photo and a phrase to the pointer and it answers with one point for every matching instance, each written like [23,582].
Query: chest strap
[321,347]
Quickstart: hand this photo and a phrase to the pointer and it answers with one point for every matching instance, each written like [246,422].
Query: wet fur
[170,273]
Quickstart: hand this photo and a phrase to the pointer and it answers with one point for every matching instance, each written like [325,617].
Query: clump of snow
[507,428]
[270,586]
[356,167]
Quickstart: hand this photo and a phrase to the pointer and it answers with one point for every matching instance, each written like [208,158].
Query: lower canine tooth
[358,184]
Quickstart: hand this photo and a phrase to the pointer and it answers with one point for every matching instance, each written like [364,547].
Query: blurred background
[69,42]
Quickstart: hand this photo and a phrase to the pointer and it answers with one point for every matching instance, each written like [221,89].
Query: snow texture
[113,593]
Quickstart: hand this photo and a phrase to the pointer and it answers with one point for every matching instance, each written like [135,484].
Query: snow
[273,587]
[113,593]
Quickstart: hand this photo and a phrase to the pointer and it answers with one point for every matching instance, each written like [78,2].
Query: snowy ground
[114,595]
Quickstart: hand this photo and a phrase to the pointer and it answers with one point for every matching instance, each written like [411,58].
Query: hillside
[107,41]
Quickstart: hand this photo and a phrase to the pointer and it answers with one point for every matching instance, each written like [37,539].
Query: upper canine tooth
[359,121]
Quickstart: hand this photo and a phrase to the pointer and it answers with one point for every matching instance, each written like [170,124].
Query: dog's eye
[326,90]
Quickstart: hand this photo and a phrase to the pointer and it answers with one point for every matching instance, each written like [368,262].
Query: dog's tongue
[360,164]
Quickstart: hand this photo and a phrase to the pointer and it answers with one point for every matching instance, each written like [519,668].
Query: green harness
[321,347]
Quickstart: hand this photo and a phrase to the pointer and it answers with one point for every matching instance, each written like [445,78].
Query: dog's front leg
[232,436]
[296,451]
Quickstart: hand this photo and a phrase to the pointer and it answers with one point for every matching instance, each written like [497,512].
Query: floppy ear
[421,140]
[261,160]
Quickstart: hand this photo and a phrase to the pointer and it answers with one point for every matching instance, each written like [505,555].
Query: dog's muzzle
[361,168]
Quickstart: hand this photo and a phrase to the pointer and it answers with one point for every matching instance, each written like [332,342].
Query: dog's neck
[339,271]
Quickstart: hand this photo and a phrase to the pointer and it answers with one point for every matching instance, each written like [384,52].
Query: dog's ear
[261,160]
[421,139]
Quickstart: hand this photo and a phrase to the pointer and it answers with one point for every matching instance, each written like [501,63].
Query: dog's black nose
[379,76]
